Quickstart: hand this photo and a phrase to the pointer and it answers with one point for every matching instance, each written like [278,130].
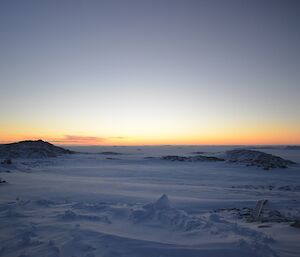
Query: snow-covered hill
[245,156]
[31,149]
[257,158]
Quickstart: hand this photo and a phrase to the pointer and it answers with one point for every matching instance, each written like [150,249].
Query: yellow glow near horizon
[223,136]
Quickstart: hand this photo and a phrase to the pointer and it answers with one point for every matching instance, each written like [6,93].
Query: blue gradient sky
[150,72]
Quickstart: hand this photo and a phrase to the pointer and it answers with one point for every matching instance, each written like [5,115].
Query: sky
[149,72]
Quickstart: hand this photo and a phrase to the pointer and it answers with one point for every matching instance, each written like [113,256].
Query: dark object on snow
[293,147]
[31,149]
[198,153]
[110,153]
[2,181]
[257,158]
[264,226]
[197,158]
[258,209]
[263,212]
[7,161]
[296,224]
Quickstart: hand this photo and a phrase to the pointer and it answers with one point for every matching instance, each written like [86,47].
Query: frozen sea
[104,201]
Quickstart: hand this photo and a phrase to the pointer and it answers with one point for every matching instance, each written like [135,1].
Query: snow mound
[162,212]
[69,215]
[257,158]
[31,149]
[163,203]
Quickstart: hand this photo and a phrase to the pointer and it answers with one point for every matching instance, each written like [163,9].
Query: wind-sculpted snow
[292,188]
[84,205]
[65,229]
[70,215]
[162,212]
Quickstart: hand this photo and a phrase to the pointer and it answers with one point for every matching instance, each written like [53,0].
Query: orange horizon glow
[257,139]
[158,134]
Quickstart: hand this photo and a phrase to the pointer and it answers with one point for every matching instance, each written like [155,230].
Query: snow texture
[87,205]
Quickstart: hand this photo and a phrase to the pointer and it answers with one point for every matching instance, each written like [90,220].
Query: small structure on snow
[258,209]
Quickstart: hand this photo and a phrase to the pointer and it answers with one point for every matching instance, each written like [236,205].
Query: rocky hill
[257,158]
[31,149]
[244,156]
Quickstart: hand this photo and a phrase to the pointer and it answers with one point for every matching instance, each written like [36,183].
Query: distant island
[32,149]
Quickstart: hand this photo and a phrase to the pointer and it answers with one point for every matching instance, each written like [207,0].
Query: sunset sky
[150,72]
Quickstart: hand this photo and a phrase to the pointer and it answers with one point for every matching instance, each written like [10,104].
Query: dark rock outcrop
[110,153]
[292,147]
[7,162]
[257,158]
[197,158]
[296,224]
[31,149]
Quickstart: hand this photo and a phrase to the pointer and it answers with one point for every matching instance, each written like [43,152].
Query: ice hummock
[163,203]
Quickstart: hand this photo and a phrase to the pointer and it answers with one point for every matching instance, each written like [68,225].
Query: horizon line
[142,145]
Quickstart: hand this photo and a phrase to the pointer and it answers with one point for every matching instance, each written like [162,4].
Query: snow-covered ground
[116,201]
